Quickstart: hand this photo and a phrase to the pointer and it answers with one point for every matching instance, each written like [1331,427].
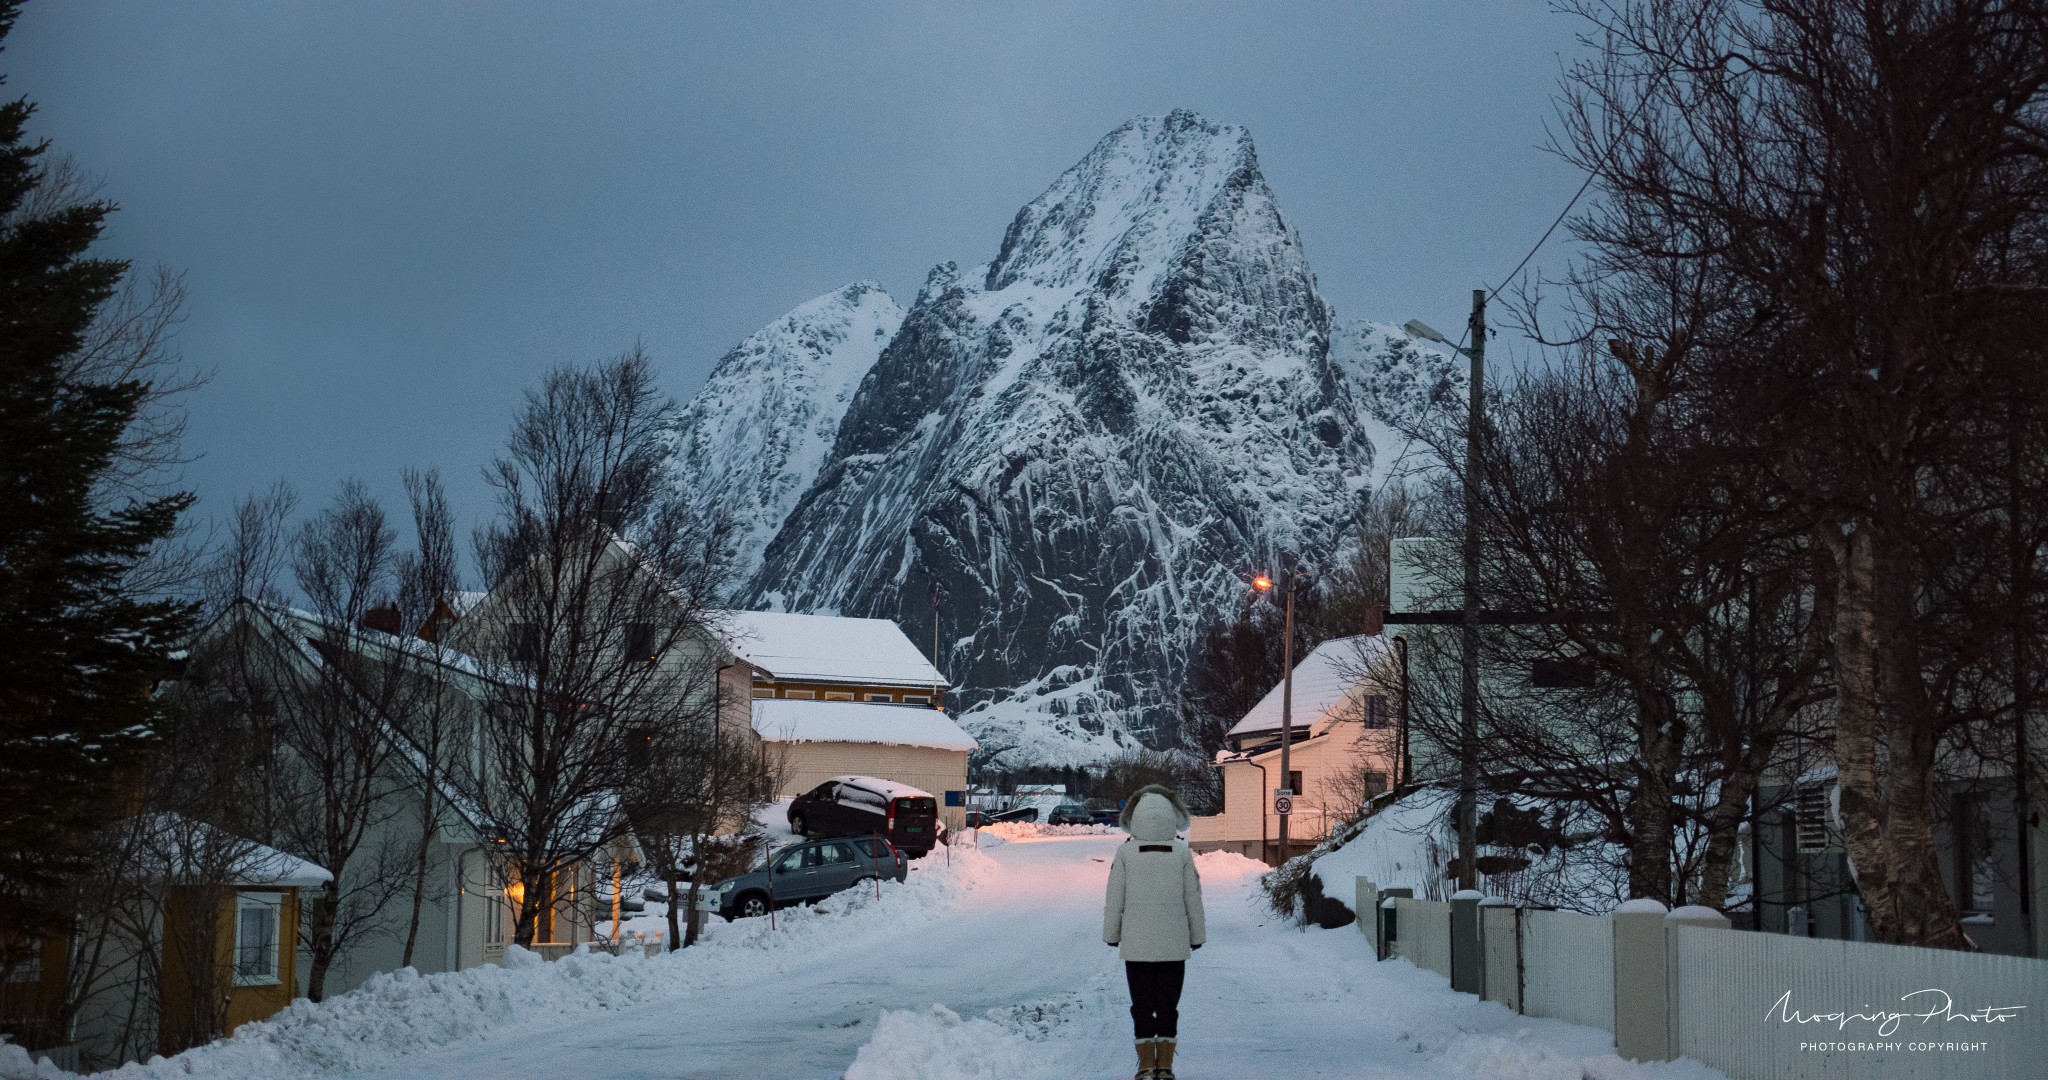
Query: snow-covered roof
[826,648]
[888,789]
[784,720]
[1322,681]
[172,845]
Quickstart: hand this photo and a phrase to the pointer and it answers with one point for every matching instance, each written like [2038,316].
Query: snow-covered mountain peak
[754,438]
[1128,206]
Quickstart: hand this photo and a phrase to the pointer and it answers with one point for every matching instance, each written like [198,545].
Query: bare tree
[1864,185]
[601,584]
[428,579]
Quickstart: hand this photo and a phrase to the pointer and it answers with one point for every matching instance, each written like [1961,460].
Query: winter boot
[1148,1058]
[1163,1070]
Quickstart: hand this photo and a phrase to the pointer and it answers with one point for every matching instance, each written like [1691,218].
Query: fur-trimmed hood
[1154,813]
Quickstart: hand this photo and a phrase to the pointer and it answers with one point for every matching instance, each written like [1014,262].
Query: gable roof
[790,721]
[826,648]
[1323,681]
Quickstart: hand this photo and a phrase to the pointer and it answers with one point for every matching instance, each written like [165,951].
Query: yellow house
[1346,749]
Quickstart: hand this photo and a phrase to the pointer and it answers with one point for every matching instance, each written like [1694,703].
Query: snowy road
[1023,948]
[991,969]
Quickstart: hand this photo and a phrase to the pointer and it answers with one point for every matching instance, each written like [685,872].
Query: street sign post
[1283,802]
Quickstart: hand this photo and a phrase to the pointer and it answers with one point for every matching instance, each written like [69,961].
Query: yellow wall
[245,1003]
[1324,764]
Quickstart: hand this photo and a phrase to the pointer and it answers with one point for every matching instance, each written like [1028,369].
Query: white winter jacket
[1153,910]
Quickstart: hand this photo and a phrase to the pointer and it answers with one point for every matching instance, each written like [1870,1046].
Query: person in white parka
[1153,915]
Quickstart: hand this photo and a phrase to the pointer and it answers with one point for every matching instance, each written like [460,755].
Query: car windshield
[917,805]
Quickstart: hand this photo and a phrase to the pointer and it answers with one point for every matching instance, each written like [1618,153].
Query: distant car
[1070,814]
[1105,817]
[867,805]
[1022,813]
[805,873]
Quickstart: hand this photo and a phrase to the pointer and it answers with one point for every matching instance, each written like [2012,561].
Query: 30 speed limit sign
[1283,801]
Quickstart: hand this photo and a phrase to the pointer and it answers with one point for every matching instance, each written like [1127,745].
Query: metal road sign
[1283,802]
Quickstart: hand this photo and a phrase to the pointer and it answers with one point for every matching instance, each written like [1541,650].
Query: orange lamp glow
[1262,582]
[516,892]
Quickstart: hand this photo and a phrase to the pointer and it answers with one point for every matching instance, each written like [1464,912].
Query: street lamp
[1468,639]
[1292,581]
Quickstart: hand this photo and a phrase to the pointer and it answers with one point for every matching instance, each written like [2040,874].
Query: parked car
[1070,814]
[1022,813]
[805,873]
[1110,816]
[867,805]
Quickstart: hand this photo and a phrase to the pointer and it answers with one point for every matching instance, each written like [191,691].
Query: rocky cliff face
[1088,445]
[756,436]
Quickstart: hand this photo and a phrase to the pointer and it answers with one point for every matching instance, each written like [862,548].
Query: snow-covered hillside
[754,438]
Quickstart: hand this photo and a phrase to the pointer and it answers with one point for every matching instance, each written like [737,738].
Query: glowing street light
[1264,583]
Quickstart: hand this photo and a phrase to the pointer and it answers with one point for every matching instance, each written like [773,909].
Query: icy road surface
[991,968]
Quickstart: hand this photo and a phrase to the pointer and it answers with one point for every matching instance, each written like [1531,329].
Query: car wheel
[752,906]
[797,823]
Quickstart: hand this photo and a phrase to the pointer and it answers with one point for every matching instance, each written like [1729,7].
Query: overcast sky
[393,217]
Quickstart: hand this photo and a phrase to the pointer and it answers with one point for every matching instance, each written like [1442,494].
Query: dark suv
[866,805]
[1070,814]
[805,873]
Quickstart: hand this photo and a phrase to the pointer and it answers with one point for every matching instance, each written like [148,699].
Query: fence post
[1690,915]
[1641,1014]
[1389,925]
[1465,958]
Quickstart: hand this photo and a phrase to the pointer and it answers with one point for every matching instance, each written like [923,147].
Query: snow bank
[404,1012]
[938,1045]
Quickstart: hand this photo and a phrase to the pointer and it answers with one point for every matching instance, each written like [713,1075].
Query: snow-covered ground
[991,966]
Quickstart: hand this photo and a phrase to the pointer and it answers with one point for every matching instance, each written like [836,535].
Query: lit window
[838,695]
[800,695]
[764,691]
[256,938]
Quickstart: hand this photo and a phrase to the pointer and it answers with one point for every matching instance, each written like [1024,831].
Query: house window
[1556,674]
[764,691]
[256,937]
[800,695]
[1812,830]
[838,695]
[1294,781]
[880,697]
[1376,711]
[27,967]
[917,699]
[1373,783]
[640,641]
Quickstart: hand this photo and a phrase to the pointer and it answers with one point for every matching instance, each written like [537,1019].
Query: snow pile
[404,1012]
[1411,843]
[938,1045]
[1406,844]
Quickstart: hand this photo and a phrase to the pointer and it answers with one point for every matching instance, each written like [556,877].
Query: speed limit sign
[1283,802]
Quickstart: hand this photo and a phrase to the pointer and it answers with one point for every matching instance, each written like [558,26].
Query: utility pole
[938,696]
[1468,638]
[1287,706]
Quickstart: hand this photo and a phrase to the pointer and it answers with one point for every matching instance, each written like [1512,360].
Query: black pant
[1155,996]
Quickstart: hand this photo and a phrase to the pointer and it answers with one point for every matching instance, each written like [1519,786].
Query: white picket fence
[1727,1009]
[1424,934]
[1755,1006]
[1568,968]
